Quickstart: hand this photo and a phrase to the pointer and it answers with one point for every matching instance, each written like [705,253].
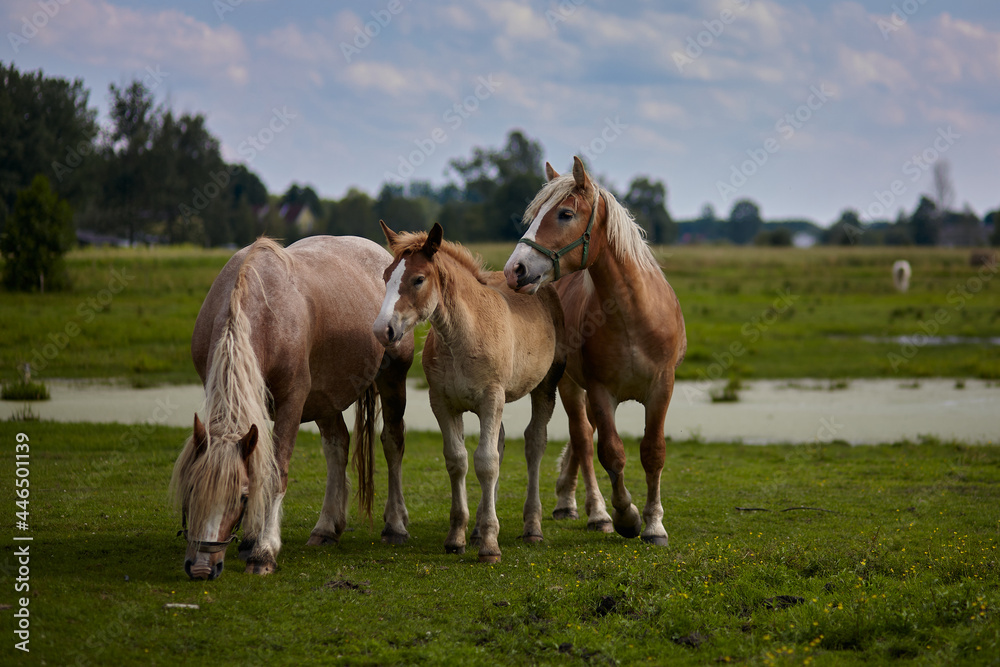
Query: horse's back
[310,307]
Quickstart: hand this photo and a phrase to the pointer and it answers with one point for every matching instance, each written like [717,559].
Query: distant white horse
[901,274]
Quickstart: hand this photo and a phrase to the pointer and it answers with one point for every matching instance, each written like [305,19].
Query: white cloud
[100,33]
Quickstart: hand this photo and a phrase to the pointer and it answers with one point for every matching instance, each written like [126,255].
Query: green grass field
[897,559]
[790,313]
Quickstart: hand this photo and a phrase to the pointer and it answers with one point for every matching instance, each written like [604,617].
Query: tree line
[149,175]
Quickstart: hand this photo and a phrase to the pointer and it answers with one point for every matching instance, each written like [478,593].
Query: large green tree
[47,128]
[502,182]
[39,231]
[647,201]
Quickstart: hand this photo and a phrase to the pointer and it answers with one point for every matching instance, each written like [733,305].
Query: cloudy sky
[806,107]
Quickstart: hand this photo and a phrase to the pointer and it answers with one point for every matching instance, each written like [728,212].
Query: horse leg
[579,456]
[333,517]
[543,402]
[501,446]
[611,452]
[652,452]
[391,382]
[262,558]
[487,464]
[457,462]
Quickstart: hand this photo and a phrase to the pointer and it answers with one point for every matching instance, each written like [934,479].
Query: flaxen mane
[626,238]
[236,398]
[411,242]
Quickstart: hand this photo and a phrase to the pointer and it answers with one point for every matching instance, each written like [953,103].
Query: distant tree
[944,189]
[39,231]
[993,218]
[47,128]
[505,180]
[924,226]
[744,221]
[399,212]
[775,237]
[354,215]
[647,201]
[846,231]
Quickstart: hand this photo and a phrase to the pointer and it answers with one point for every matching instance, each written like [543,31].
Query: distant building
[298,217]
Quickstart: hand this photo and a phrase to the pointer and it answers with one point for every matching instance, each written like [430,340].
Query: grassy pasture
[787,312]
[898,560]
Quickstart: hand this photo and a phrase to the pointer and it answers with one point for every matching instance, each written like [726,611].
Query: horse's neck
[626,283]
[454,318]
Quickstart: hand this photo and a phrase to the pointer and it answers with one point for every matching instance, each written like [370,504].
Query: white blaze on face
[391,296]
[210,531]
[533,227]
[524,254]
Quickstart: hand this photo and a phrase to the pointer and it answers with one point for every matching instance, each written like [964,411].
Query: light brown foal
[487,346]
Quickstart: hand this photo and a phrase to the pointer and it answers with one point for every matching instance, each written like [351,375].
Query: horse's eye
[418,281]
[565,214]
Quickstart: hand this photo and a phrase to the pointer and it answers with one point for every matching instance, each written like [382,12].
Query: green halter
[555,255]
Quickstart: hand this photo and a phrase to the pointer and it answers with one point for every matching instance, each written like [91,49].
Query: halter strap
[214,547]
[556,255]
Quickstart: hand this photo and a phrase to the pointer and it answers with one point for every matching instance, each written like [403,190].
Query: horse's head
[560,221]
[212,485]
[412,285]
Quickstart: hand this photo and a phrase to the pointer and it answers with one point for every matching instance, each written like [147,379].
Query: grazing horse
[487,346]
[283,334]
[625,333]
[901,273]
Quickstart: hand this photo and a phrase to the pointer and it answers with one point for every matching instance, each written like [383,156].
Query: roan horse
[487,346]
[625,333]
[283,334]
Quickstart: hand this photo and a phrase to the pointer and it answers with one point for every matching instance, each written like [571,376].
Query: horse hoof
[392,537]
[261,567]
[531,539]
[489,558]
[322,540]
[454,549]
[628,523]
[561,513]
[474,539]
[656,540]
[600,526]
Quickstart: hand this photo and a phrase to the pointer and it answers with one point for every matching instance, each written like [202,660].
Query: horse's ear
[580,174]
[200,437]
[248,442]
[550,173]
[390,235]
[434,238]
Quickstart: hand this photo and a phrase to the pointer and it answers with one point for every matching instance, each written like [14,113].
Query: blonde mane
[236,397]
[412,242]
[625,237]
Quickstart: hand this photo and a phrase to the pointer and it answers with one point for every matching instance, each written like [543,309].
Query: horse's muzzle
[203,569]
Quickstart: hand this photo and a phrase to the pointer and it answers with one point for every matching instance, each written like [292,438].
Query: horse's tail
[365,416]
